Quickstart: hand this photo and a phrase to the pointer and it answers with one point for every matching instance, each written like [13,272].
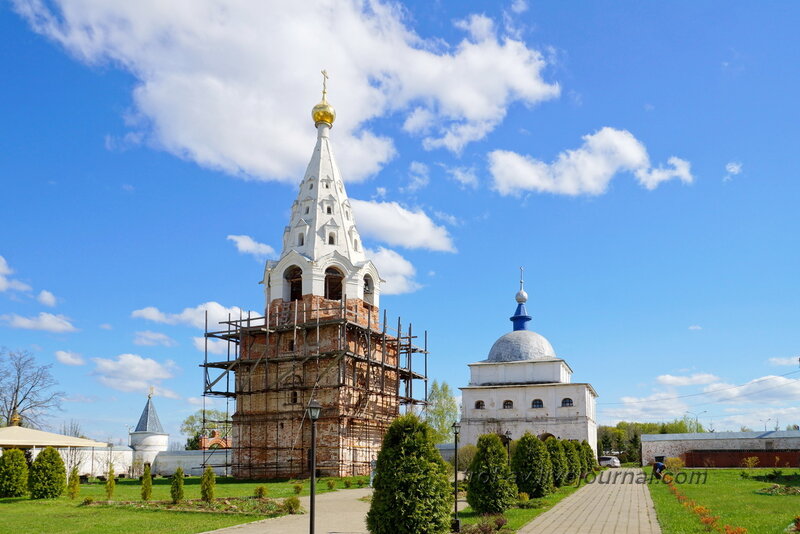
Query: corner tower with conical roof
[148,438]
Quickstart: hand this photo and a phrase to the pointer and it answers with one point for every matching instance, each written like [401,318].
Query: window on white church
[480,405]
[329,210]
[300,240]
[311,185]
[355,244]
[331,238]
[537,403]
[507,405]
[293,398]
[307,208]
[333,284]
[566,403]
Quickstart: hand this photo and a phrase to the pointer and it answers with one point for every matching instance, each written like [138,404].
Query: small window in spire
[331,238]
[307,208]
[355,245]
[329,210]
[347,215]
[327,185]
[311,185]
[300,240]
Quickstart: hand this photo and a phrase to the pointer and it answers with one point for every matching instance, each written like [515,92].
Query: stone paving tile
[616,507]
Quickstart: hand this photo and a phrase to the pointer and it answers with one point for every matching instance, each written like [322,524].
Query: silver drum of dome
[521,345]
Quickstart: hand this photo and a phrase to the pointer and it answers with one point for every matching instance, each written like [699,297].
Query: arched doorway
[333,283]
[293,288]
[546,435]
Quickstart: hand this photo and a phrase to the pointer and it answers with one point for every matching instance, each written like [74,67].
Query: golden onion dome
[323,112]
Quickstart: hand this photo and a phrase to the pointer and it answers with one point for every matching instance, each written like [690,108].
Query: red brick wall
[733,458]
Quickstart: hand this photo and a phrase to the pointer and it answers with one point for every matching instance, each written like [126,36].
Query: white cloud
[768,389]
[247,245]
[793,360]
[131,372]
[380,192]
[695,327]
[106,326]
[395,225]
[452,220]
[586,170]
[660,406]
[732,168]
[519,6]
[69,358]
[692,380]
[396,271]
[198,401]
[7,283]
[46,298]
[191,316]
[419,177]
[464,176]
[215,346]
[225,84]
[149,338]
[44,321]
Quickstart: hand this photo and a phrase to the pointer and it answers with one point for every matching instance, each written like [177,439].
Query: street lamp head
[314,409]
[508,434]
[456,427]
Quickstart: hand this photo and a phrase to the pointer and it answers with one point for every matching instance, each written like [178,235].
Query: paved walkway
[609,508]
[336,512]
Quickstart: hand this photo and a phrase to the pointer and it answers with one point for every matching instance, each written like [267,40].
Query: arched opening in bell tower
[293,283]
[333,283]
[369,290]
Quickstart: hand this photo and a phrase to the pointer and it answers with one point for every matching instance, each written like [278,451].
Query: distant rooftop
[770,434]
[149,422]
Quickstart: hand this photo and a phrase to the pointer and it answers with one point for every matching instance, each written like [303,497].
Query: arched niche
[293,283]
[333,283]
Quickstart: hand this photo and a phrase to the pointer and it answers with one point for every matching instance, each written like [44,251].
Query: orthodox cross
[521,278]
[324,83]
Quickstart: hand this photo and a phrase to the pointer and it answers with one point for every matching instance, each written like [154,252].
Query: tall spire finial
[521,315]
[152,390]
[324,112]
[522,278]
[324,85]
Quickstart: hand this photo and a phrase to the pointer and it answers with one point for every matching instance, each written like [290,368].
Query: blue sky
[637,159]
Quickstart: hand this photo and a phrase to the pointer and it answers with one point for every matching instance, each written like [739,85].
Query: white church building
[524,387]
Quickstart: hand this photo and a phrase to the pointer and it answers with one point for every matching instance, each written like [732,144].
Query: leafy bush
[750,462]
[588,454]
[298,489]
[490,489]
[348,483]
[110,482]
[207,483]
[558,460]
[290,505]
[331,484]
[674,464]
[412,491]
[261,492]
[147,484]
[360,482]
[531,465]
[47,476]
[73,483]
[13,473]
[465,456]
[87,501]
[176,488]
[573,461]
[523,497]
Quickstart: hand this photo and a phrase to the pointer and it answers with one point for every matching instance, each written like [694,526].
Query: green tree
[207,483]
[533,470]
[176,488]
[73,483]
[634,449]
[490,489]
[111,482]
[412,490]
[573,461]
[465,455]
[13,473]
[193,427]
[147,483]
[47,476]
[558,461]
[442,412]
[588,454]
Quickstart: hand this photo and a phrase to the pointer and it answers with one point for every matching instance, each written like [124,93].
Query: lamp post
[765,421]
[508,445]
[696,418]
[456,522]
[314,408]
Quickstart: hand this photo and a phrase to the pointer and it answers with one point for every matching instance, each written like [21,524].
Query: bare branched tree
[73,456]
[26,388]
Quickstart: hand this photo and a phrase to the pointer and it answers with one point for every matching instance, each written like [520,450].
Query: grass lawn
[62,515]
[517,517]
[733,499]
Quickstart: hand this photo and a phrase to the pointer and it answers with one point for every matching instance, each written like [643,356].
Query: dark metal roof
[149,422]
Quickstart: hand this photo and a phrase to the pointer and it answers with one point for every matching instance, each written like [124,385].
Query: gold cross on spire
[324,84]
[152,390]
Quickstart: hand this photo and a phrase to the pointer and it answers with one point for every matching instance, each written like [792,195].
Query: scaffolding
[361,369]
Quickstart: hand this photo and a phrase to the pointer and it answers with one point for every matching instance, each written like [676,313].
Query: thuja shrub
[73,483]
[490,489]
[558,460]
[412,490]
[588,454]
[147,484]
[261,492]
[675,464]
[290,505]
[13,473]
[176,488]
[531,466]
[331,484]
[207,483]
[47,476]
[573,461]
[298,489]
[111,484]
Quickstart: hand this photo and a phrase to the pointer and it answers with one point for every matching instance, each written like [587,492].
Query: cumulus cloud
[793,360]
[44,321]
[131,372]
[215,346]
[418,177]
[69,358]
[464,176]
[46,298]
[247,245]
[396,271]
[191,316]
[6,282]
[695,327]
[225,85]
[106,326]
[732,168]
[393,224]
[148,338]
[768,389]
[692,380]
[658,406]
[586,170]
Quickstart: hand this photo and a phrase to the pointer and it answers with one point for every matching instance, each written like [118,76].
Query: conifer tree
[176,488]
[490,489]
[533,471]
[111,483]
[413,492]
[558,461]
[73,483]
[573,461]
[13,473]
[147,483]
[589,456]
[47,476]
[207,484]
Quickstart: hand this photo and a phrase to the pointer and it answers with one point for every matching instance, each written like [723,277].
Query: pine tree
[413,492]
[207,483]
[558,461]
[111,483]
[147,483]
[490,489]
[176,488]
[73,483]
[47,476]
[533,470]
[13,473]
